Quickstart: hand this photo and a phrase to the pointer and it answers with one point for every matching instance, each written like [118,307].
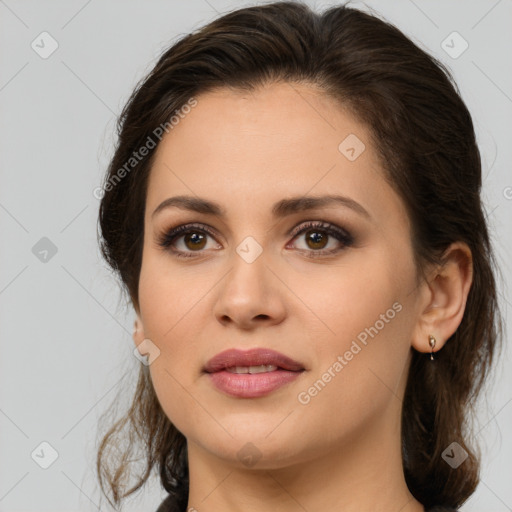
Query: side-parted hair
[425,139]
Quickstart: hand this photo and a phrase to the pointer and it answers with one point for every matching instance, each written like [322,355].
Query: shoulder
[169,505]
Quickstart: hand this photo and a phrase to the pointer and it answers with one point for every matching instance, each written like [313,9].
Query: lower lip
[247,385]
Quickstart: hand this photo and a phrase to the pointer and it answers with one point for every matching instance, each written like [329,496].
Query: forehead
[252,148]
[281,119]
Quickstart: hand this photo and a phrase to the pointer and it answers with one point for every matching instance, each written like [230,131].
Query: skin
[340,451]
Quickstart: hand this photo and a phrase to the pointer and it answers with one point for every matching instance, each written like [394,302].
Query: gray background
[65,334]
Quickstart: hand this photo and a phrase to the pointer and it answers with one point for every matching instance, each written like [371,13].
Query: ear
[138,331]
[444,298]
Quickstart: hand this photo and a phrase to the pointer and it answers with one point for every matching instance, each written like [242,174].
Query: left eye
[317,238]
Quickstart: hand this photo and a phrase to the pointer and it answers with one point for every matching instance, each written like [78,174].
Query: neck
[363,474]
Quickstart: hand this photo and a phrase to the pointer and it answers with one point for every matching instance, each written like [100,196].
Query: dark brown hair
[424,135]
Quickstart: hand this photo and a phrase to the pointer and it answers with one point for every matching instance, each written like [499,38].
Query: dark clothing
[170,505]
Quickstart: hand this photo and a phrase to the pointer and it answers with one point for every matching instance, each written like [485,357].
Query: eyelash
[167,239]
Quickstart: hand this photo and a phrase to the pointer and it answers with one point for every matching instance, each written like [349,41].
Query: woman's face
[331,287]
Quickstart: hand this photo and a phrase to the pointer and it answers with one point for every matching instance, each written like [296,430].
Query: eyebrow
[280,209]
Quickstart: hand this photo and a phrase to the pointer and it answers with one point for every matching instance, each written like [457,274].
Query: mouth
[262,368]
[252,361]
[253,373]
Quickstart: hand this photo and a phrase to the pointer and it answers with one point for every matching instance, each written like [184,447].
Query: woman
[294,209]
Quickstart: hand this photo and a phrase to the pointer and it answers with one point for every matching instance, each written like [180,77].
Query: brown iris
[197,241]
[317,239]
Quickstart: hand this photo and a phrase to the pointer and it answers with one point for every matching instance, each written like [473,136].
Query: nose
[250,295]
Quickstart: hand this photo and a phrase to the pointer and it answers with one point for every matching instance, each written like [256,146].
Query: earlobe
[138,331]
[445,300]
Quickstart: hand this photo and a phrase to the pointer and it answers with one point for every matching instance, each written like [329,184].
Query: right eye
[193,238]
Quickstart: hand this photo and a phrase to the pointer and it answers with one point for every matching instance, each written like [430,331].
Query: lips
[251,373]
[246,358]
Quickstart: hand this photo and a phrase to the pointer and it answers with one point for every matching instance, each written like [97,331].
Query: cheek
[362,356]
[176,310]
[172,303]
[340,302]
[170,296]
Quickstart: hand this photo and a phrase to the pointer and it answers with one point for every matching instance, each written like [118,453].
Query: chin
[255,454]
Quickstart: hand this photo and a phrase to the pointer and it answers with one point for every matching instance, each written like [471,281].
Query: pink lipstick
[251,373]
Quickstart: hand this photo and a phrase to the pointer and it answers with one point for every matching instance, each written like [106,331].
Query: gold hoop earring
[432,343]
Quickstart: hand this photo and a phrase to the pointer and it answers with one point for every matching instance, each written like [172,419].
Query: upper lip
[254,357]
